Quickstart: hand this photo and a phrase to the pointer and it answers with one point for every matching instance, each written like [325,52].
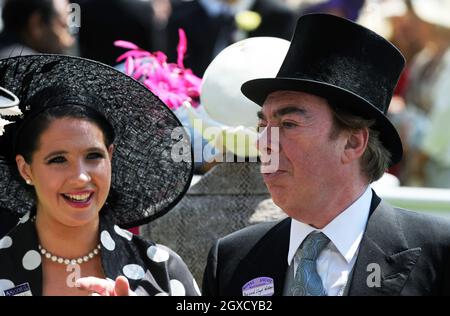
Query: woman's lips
[78,199]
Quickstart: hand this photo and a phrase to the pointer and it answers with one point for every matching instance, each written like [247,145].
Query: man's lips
[272,175]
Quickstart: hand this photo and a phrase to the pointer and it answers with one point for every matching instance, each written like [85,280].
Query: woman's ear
[356,145]
[110,151]
[24,169]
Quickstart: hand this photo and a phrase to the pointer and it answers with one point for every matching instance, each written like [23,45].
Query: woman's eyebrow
[95,149]
[55,153]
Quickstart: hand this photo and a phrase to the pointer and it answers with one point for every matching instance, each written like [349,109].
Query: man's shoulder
[254,234]
[410,217]
[235,258]
[419,225]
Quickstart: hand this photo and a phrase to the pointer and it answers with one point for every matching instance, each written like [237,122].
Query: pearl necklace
[45,253]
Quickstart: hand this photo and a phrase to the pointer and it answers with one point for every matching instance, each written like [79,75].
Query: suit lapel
[384,261]
[267,259]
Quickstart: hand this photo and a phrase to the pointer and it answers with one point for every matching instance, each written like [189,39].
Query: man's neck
[330,205]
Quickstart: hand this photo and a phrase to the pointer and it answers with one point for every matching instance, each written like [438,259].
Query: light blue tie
[307,281]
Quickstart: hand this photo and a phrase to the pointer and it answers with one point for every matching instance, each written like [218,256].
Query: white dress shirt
[345,232]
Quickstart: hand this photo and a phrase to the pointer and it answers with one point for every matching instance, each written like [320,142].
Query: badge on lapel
[262,286]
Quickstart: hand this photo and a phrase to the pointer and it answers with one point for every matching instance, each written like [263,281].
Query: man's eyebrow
[289,110]
[283,111]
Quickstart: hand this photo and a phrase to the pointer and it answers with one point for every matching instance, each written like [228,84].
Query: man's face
[56,38]
[309,160]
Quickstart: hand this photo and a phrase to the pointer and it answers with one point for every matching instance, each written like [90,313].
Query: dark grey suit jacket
[411,249]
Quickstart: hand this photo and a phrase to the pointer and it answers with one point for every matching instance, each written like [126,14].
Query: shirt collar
[345,231]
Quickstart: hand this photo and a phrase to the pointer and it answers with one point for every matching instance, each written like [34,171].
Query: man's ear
[35,27]
[24,169]
[356,145]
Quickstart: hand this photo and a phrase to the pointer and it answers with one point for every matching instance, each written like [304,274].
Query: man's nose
[268,140]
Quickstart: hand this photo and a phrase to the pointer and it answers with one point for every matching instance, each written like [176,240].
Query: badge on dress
[20,290]
[262,286]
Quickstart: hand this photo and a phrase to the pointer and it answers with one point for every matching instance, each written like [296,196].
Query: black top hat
[343,62]
[146,180]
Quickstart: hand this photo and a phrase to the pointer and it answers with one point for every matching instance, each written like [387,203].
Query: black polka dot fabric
[151,269]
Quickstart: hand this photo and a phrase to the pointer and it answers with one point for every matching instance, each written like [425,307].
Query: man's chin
[278,195]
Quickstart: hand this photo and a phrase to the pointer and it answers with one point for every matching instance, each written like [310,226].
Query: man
[106,21]
[35,26]
[212,25]
[323,120]
[30,27]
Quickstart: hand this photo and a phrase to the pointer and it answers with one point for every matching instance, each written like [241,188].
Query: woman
[92,150]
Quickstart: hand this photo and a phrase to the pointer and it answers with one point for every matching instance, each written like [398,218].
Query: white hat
[8,107]
[433,11]
[248,59]
[221,96]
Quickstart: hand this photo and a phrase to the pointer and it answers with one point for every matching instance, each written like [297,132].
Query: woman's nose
[81,173]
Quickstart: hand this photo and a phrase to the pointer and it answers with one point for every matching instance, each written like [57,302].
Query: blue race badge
[20,290]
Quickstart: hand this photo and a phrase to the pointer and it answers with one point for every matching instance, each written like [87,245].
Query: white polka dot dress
[6,242]
[31,260]
[151,269]
[157,254]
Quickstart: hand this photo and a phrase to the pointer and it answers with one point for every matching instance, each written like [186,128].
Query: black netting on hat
[146,180]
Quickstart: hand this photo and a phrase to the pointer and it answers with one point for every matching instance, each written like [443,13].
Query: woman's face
[70,171]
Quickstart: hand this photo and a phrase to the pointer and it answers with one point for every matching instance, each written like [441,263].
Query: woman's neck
[66,241]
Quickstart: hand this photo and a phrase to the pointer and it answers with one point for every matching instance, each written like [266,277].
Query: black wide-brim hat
[345,63]
[146,180]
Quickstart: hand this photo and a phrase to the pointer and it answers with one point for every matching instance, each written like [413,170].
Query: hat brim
[257,90]
[146,180]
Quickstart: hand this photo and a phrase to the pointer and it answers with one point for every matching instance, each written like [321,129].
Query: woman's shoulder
[158,252]
[181,280]
[155,267]
[19,257]
[21,233]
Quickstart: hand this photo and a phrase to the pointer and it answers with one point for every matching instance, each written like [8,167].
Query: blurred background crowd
[419,28]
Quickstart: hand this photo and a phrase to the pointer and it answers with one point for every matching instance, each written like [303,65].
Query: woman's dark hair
[16,13]
[55,103]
